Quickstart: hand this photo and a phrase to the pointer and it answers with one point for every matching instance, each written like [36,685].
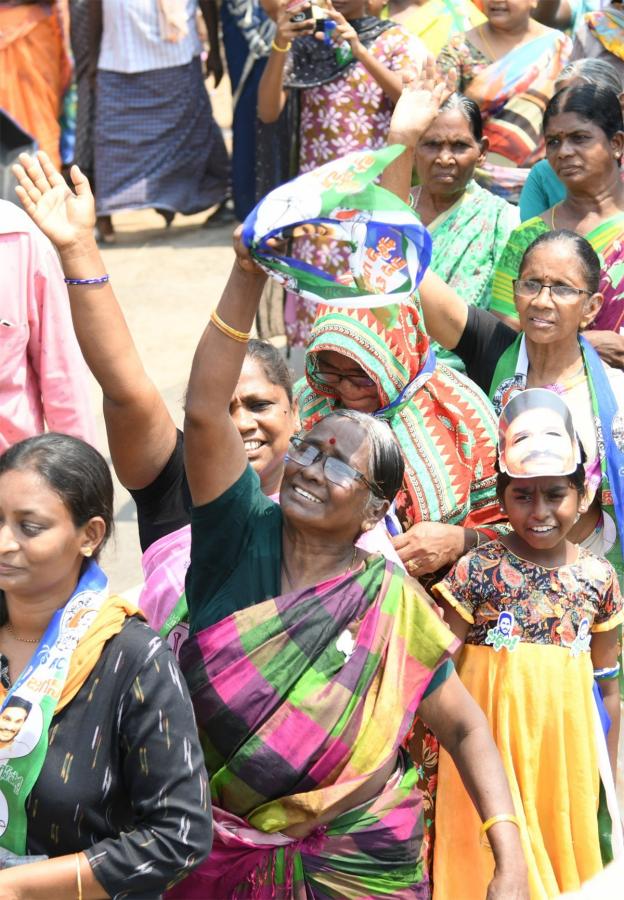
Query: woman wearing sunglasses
[308,657]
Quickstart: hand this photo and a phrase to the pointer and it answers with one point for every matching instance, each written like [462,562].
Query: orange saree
[35,70]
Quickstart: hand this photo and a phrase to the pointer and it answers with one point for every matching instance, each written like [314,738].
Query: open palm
[420,102]
[65,217]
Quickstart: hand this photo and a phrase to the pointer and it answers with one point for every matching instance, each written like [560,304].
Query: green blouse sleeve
[509,266]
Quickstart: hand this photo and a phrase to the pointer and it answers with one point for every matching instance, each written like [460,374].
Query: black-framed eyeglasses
[530,288]
[336,470]
[334,378]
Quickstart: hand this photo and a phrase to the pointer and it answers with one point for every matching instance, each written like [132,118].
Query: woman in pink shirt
[43,377]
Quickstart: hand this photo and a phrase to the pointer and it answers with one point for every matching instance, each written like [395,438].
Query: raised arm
[444,310]
[214,453]
[141,433]
[271,93]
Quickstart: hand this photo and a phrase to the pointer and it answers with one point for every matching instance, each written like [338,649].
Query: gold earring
[88,551]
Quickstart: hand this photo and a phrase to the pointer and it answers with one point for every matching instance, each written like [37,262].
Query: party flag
[388,247]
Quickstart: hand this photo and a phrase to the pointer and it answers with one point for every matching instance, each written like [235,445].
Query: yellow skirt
[539,704]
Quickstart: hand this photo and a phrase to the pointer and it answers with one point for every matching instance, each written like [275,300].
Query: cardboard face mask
[536,436]
[388,248]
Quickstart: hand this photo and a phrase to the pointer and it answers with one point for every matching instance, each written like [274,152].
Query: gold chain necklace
[552,215]
[21,639]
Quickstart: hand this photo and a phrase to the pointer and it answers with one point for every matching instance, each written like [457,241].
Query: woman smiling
[297,637]
[146,448]
[557,296]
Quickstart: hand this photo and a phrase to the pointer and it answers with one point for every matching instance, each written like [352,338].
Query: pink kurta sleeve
[53,352]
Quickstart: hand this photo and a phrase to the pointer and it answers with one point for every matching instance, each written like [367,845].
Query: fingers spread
[24,199]
[52,175]
[35,172]
[25,181]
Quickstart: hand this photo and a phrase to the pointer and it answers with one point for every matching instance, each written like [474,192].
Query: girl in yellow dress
[538,616]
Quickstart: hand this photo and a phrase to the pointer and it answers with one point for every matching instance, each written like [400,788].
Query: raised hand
[287,31]
[344,30]
[419,103]
[67,218]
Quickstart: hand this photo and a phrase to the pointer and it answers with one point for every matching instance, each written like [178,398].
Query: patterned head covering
[443,422]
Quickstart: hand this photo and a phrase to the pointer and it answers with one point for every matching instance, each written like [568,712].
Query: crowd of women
[377,648]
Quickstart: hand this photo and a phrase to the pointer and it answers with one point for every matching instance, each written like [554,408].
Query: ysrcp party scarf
[63,660]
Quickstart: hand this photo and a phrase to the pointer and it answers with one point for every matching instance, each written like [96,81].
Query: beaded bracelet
[279,49]
[494,820]
[241,336]
[101,280]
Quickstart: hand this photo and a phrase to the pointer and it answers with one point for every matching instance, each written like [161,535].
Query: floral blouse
[509,600]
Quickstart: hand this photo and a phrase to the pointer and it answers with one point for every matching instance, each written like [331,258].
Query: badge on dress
[502,634]
[581,642]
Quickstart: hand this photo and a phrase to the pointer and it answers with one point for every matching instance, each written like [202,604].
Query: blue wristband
[101,280]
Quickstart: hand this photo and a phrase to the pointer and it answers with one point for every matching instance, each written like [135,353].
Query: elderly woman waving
[308,658]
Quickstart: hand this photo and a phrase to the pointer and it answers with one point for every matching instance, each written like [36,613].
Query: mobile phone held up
[312,11]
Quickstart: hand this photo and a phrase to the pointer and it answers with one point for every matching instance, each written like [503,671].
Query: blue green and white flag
[388,247]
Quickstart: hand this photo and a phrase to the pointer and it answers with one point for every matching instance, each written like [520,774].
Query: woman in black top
[120,803]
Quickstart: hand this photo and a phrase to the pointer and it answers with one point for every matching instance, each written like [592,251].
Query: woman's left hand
[427,546]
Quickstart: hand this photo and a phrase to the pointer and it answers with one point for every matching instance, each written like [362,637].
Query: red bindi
[332,440]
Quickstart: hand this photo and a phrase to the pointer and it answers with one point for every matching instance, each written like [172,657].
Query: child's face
[542,510]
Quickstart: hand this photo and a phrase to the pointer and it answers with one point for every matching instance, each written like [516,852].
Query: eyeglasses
[527,287]
[336,470]
[334,378]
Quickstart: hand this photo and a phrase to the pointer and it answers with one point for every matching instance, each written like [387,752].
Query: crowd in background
[377,651]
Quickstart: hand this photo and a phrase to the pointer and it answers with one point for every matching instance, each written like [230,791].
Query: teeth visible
[253,445]
[306,495]
[543,528]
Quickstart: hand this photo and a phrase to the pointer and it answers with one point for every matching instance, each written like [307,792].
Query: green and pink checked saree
[301,701]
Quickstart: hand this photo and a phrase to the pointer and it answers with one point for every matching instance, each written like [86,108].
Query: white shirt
[131,40]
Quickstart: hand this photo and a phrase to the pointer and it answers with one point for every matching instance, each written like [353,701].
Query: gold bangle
[78,876]
[494,820]
[241,336]
[279,49]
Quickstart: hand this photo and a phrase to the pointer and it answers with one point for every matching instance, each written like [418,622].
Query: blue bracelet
[607,673]
[101,280]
